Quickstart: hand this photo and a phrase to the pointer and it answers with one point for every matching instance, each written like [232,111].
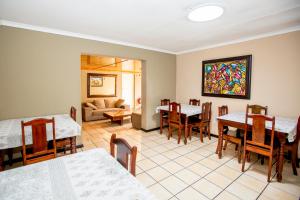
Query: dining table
[186,112]
[285,130]
[89,175]
[11,132]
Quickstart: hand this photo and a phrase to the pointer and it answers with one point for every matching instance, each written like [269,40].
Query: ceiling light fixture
[205,13]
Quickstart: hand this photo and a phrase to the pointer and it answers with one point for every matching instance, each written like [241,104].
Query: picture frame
[101,85]
[227,77]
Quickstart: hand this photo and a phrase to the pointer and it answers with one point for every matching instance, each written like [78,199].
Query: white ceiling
[154,24]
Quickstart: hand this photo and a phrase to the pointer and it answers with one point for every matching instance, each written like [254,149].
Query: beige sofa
[94,110]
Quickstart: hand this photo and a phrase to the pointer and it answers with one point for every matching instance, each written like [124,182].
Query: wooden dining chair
[123,152]
[259,141]
[64,144]
[194,102]
[223,110]
[203,122]
[40,150]
[292,148]
[165,115]
[175,120]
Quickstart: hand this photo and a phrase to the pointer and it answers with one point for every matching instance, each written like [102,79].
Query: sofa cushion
[99,103]
[119,103]
[109,103]
[91,105]
[101,111]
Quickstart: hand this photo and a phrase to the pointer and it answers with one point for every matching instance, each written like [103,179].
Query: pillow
[119,103]
[99,103]
[91,105]
[109,103]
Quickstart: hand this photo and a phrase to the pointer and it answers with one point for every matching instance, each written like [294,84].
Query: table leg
[220,141]
[161,121]
[1,160]
[185,129]
[73,144]
[281,157]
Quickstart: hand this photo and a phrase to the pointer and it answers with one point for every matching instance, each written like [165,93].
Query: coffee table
[117,116]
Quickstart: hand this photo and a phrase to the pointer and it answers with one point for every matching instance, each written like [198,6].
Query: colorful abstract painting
[227,77]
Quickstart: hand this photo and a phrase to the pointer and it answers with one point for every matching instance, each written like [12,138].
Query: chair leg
[262,160]
[294,161]
[201,135]
[236,147]
[170,132]
[179,134]
[244,160]
[248,157]
[270,168]
[239,152]
[190,132]
[208,132]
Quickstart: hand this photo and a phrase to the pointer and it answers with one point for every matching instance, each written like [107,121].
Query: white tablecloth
[11,132]
[88,175]
[186,109]
[282,124]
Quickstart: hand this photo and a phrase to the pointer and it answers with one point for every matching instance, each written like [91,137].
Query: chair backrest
[257,109]
[206,112]
[194,102]
[123,152]
[258,130]
[39,148]
[73,113]
[298,131]
[223,110]
[164,102]
[174,113]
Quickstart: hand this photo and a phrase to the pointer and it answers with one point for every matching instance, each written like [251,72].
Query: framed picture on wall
[101,85]
[227,77]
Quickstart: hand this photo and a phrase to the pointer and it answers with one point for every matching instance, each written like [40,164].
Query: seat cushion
[99,103]
[119,103]
[91,106]
[109,103]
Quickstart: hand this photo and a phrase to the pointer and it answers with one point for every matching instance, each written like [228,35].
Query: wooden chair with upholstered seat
[123,152]
[203,122]
[40,150]
[292,148]
[175,120]
[194,102]
[164,117]
[260,141]
[65,143]
[223,110]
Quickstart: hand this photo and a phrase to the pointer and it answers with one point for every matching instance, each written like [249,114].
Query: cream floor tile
[194,156]
[261,175]
[252,183]
[138,170]
[210,163]
[190,194]
[228,172]
[172,167]
[146,164]
[160,192]
[203,152]
[274,193]
[187,176]
[159,159]
[160,148]
[207,188]
[242,191]
[218,179]
[184,161]
[139,157]
[173,184]
[170,145]
[149,153]
[145,179]
[173,198]
[287,186]
[182,150]
[171,154]
[199,169]
[226,196]
[158,173]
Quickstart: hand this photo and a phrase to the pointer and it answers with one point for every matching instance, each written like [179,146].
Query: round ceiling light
[205,13]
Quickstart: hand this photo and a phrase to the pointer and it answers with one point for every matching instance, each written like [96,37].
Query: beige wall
[84,73]
[275,75]
[40,73]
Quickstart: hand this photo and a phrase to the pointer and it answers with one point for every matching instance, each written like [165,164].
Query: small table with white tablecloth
[11,132]
[285,128]
[89,175]
[186,112]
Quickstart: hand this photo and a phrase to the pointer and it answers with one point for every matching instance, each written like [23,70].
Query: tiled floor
[193,171]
